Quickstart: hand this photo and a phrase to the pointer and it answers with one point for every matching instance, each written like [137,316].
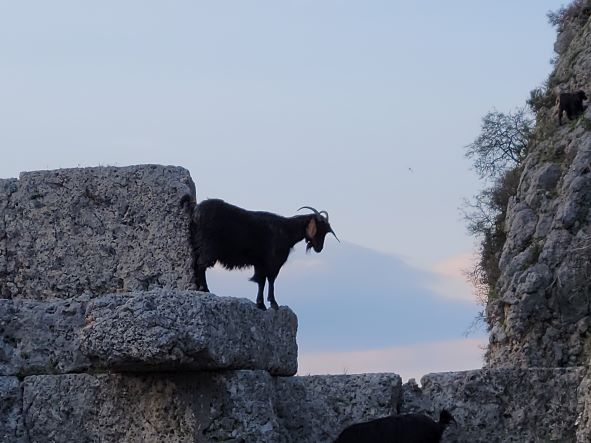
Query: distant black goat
[405,428]
[237,238]
[571,103]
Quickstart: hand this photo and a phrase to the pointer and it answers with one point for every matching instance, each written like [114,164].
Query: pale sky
[358,108]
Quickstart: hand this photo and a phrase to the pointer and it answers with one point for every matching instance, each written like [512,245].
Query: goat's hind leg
[271,295]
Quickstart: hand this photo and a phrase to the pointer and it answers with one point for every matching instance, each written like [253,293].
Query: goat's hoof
[261,306]
[274,305]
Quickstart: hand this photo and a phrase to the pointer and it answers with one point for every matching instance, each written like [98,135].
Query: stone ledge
[159,330]
[166,330]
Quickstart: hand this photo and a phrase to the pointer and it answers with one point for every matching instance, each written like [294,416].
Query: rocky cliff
[540,312]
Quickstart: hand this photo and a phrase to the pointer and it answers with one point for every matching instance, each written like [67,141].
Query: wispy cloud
[411,361]
[450,280]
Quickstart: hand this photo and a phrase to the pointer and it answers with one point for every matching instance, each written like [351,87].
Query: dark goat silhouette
[405,428]
[571,103]
[237,238]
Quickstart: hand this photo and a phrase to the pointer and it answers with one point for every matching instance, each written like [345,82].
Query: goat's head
[582,96]
[316,230]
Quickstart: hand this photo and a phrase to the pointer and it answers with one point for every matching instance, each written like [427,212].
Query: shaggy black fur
[571,103]
[405,428]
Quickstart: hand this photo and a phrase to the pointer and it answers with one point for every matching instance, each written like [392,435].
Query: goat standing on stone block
[237,238]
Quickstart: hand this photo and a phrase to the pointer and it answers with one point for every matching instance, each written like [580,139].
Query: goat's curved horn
[311,208]
[325,214]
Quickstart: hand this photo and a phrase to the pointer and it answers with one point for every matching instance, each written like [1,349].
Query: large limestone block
[100,230]
[177,408]
[158,330]
[315,409]
[501,405]
[11,417]
[172,330]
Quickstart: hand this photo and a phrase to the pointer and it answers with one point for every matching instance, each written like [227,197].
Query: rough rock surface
[540,314]
[100,230]
[11,418]
[157,330]
[182,407]
[502,405]
[38,337]
[232,406]
[171,330]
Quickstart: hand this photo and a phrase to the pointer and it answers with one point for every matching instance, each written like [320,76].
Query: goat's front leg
[271,295]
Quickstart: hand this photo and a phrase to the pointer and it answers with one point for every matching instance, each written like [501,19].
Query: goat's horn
[309,207]
[325,214]
[335,236]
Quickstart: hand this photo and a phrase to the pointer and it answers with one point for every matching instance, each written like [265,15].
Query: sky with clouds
[362,109]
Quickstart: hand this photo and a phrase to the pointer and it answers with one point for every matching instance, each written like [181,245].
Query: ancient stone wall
[100,352]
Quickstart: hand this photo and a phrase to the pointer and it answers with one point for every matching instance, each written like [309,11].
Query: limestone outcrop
[540,314]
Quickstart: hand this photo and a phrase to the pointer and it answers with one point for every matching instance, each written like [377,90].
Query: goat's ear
[311,228]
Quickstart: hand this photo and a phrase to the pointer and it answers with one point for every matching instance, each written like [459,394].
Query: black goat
[237,238]
[571,103]
[405,428]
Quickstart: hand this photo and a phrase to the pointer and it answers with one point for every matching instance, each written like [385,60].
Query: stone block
[97,230]
[158,330]
[184,407]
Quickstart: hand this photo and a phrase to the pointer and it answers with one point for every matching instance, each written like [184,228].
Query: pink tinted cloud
[451,281]
[411,361]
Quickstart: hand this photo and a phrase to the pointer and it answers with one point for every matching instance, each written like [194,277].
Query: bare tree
[502,143]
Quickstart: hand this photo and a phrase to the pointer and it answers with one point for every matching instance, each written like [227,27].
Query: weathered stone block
[100,230]
[159,330]
[316,409]
[504,405]
[11,417]
[190,407]
[170,330]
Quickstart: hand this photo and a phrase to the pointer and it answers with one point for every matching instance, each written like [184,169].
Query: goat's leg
[200,277]
[271,295]
[259,277]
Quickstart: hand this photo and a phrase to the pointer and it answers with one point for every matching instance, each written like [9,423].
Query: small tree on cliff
[497,155]
[502,143]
